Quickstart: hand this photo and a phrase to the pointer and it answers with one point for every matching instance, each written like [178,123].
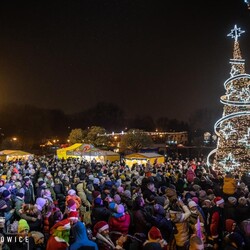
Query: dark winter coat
[99,213]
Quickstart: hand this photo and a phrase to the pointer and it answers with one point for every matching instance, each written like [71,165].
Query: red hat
[73,215]
[218,200]
[95,194]
[154,233]
[61,226]
[100,226]
[229,225]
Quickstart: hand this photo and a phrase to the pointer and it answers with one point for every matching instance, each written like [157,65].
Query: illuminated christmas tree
[233,129]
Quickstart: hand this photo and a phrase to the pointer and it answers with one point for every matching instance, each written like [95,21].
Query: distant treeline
[33,125]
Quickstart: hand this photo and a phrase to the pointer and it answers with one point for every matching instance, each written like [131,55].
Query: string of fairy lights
[233,129]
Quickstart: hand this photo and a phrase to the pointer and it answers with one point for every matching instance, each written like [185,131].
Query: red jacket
[120,225]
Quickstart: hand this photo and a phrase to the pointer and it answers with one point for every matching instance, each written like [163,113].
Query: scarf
[105,239]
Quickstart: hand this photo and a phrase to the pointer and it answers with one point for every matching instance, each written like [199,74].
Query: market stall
[143,158]
[10,155]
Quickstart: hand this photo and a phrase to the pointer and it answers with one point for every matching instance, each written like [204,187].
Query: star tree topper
[235,33]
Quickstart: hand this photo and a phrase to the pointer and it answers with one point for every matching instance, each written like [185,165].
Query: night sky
[150,57]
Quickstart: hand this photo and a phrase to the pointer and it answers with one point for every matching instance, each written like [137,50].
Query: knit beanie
[154,233]
[71,192]
[119,209]
[22,225]
[196,188]
[127,194]
[159,209]
[117,198]
[95,194]
[96,181]
[232,200]
[192,204]
[98,201]
[112,206]
[120,190]
[5,193]
[195,199]
[40,203]
[202,195]
[242,201]
[41,183]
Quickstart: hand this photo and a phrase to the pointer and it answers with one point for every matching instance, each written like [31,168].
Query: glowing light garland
[246,138]
[234,71]
[229,162]
[228,130]
[233,128]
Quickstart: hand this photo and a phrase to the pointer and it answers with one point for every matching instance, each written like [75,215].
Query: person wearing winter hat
[195,214]
[22,241]
[120,190]
[9,211]
[19,201]
[60,233]
[73,216]
[179,215]
[40,203]
[103,240]
[162,222]
[40,189]
[99,212]
[71,205]
[155,240]
[119,221]
[233,236]
[72,195]
[216,221]
[23,226]
[127,194]
[230,208]
[202,195]
[96,194]
[117,199]
[96,181]
[242,210]
[28,191]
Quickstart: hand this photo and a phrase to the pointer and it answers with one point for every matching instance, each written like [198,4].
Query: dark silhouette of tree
[77,135]
[134,140]
[93,137]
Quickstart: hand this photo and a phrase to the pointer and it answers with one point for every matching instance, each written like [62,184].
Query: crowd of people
[47,203]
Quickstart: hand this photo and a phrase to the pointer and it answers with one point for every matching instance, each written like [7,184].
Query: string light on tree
[233,128]
[228,130]
[229,162]
[246,138]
